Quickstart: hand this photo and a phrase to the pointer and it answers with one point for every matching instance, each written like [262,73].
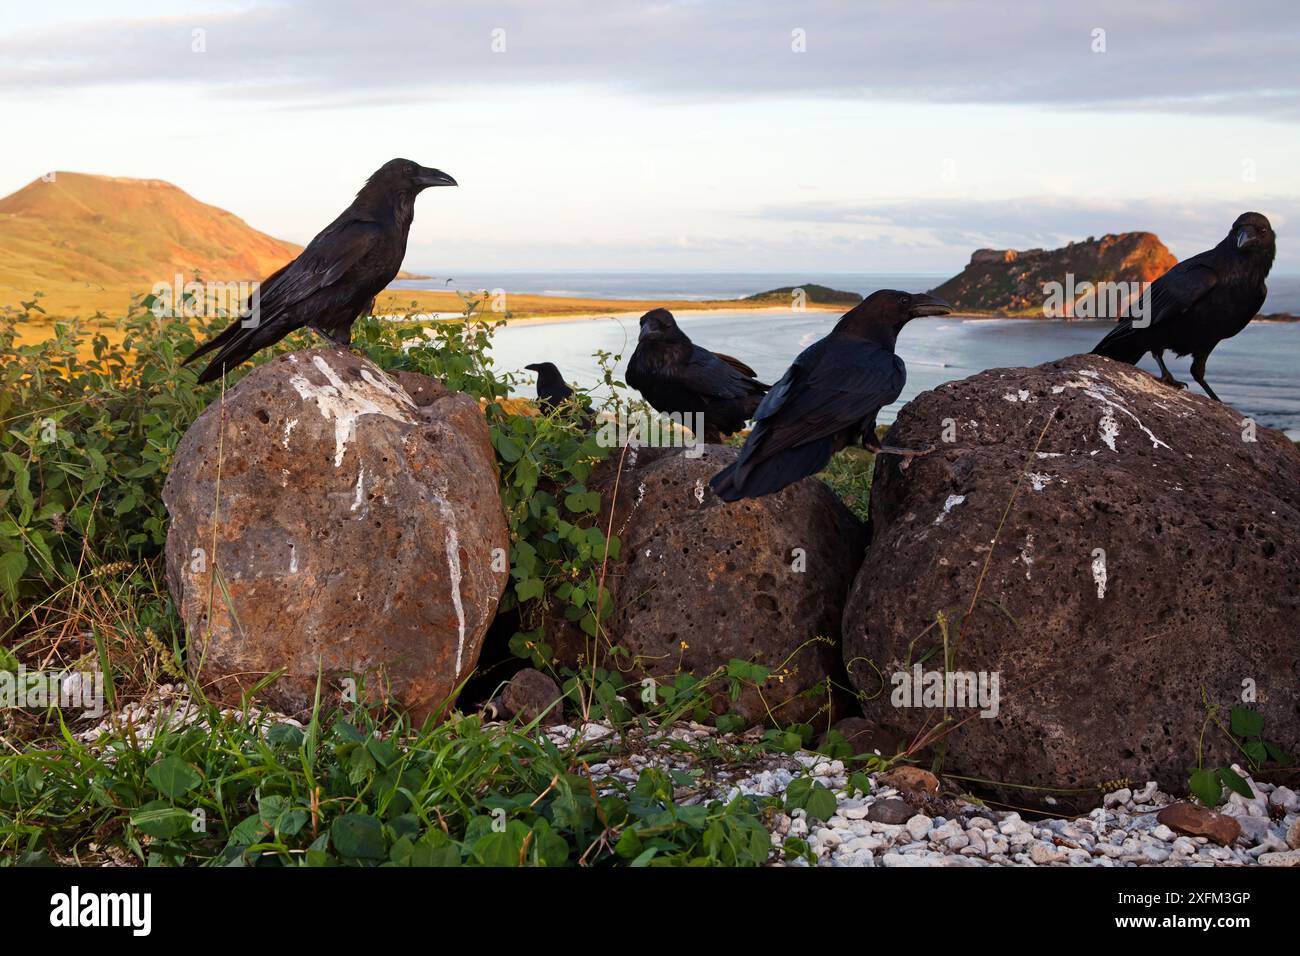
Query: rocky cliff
[1014,282]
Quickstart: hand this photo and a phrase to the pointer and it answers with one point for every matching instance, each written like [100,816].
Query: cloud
[1035,221]
[1159,56]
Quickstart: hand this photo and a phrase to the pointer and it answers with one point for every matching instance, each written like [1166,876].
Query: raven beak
[435,177]
[927,305]
[1245,236]
[533,368]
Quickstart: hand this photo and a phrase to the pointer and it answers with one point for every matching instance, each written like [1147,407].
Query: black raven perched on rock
[552,389]
[828,398]
[677,376]
[340,271]
[1200,302]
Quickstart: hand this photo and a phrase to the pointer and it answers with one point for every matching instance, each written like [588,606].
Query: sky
[752,136]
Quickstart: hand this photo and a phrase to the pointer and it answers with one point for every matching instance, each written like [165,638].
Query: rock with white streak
[354,519]
[1116,476]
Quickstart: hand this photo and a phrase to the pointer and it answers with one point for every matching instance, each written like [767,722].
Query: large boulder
[700,582]
[352,519]
[1144,553]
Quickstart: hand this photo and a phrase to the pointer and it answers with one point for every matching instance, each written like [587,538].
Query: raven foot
[907,454]
[1172,382]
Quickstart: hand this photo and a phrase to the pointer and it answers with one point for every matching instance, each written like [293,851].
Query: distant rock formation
[813,294]
[1013,282]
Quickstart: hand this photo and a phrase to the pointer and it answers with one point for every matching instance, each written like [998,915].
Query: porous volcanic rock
[353,518]
[699,582]
[1150,553]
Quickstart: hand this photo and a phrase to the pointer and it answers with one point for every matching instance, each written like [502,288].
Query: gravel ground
[889,827]
[892,828]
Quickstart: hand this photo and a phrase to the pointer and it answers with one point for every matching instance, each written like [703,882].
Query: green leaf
[358,835]
[1233,781]
[1247,722]
[530,588]
[821,802]
[173,777]
[1205,786]
[12,566]
[161,821]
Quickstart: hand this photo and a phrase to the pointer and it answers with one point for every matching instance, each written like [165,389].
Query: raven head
[547,373]
[1253,232]
[658,325]
[407,176]
[884,313]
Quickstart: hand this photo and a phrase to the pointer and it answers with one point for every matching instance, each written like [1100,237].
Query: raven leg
[329,336]
[1198,373]
[1165,375]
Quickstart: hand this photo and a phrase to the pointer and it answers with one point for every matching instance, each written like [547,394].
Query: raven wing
[819,398]
[328,259]
[1170,296]
[1180,288]
[707,374]
[737,364]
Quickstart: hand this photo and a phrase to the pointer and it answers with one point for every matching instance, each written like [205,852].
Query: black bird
[337,275]
[552,389]
[1200,302]
[677,376]
[828,398]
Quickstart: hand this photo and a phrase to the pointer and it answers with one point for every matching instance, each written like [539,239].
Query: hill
[1012,282]
[89,242]
[814,295]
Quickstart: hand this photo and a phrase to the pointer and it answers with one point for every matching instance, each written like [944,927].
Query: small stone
[1011,823]
[919,826]
[1198,821]
[1156,854]
[892,812]
[911,778]
[1253,829]
[1289,858]
[1147,793]
[1117,798]
[1162,832]
[1293,835]
[1286,798]
[1044,853]
[529,695]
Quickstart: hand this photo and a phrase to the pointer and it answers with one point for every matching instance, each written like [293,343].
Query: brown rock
[1198,821]
[354,533]
[911,778]
[1149,552]
[529,694]
[700,582]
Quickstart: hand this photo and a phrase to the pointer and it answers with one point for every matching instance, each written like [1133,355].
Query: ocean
[1283,294]
[1257,372]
